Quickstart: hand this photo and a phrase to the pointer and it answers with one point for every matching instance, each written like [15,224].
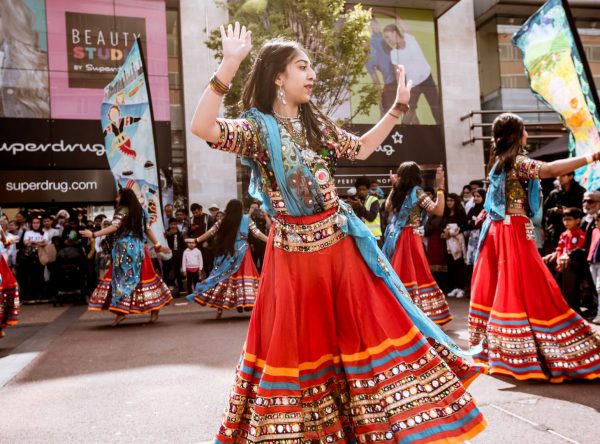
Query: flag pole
[146,79]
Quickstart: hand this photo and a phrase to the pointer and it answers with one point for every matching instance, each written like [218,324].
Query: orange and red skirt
[151,293]
[9,296]
[237,292]
[410,263]
[517,310]
[331,356]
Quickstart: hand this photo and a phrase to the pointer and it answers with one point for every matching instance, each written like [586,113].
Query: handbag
[47,254]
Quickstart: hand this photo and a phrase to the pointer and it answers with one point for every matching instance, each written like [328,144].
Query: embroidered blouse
[242,137]
[425,202]
[517,178]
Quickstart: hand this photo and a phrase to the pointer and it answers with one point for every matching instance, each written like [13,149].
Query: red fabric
[125,148]
[437,252]
[9,296]
[410,263]
[517,309]
[331,355]
[237,292]
[570,240]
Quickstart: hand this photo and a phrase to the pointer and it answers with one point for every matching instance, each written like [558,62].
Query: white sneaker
[460,294]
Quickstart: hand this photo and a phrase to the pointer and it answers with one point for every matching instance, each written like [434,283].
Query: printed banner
[558,76]
[128,137]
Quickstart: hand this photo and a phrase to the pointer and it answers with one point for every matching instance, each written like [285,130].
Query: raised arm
[237,42]
[376,135]
[440,201]
[564,166]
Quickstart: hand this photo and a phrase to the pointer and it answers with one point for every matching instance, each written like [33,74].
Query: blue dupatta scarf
[226,264]
[350,223]
[399,220]
[495,202]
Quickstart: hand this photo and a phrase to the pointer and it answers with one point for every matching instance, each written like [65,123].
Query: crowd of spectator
[52,260]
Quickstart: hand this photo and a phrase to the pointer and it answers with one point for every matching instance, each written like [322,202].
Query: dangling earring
[282,95]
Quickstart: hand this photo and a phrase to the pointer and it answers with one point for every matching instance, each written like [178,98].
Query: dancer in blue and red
[403,243]
[517,310]
[130,285]
[336,350]
[9,292]
[233,281]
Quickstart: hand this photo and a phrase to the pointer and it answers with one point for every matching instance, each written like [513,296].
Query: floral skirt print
[331,356]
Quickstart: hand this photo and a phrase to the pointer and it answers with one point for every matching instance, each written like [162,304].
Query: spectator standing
[191,265]
[171,267]
[30,270]
[199,222]
[213,210]
[455,221]
[568,195]
[366,206]
[475,218]
[594,259]
[183,224]
[62,220]
[168,214]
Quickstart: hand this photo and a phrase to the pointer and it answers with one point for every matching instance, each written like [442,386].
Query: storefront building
[51,144]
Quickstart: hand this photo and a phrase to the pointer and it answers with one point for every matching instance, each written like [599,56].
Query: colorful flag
[128,136]
[560,77]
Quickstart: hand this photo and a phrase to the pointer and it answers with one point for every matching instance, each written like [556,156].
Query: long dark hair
[507,132]
[133,223]
[460,216]
[225,237]
[260,90]
[409,175]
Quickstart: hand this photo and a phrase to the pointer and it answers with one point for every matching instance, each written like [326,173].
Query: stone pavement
[66,376]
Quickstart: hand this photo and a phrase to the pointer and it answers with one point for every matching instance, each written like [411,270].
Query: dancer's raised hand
[403,91]
[439,177]
[236,41]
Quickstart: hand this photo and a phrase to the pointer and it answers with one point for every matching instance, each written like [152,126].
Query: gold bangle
[156,245]
[440,191]
[218,86]
[589,158]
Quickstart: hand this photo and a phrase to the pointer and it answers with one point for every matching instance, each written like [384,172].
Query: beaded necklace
[295,128]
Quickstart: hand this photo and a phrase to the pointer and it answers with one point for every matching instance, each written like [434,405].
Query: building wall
[211,174]
[460,93]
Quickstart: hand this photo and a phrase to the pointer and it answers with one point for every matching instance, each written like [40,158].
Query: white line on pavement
[537,426]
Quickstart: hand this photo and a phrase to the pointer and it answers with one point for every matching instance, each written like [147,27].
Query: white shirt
[192,258]
[32,236]
[412,58]
[49,234]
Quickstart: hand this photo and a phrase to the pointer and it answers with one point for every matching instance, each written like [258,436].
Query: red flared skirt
[331,356]
[9,296]
[410,263]
[527,328]
[238,291]
[150,294]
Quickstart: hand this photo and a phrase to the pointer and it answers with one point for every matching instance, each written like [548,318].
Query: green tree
[335,37]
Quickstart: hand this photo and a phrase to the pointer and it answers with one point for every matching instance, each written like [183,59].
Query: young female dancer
[336,350]
[403,243]
[130,285]
[517,310]
[233,281]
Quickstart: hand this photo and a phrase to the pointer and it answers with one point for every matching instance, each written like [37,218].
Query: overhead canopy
[555,149]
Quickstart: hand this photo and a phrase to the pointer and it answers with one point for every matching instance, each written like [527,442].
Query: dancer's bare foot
[118,320]
[153,316]
[219,313]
